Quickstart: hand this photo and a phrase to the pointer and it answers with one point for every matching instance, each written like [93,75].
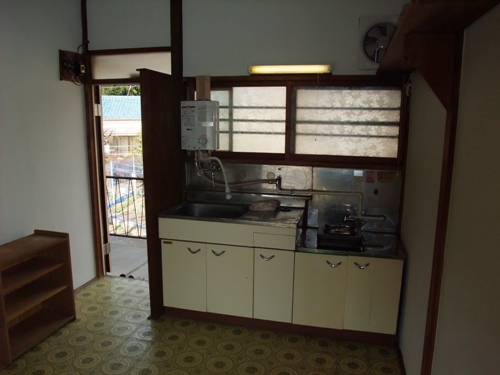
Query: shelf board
[35,329]
[12,282]
[424,17]
[22,303]
[25,248]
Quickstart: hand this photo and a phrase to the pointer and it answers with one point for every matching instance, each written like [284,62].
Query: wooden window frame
[290,81]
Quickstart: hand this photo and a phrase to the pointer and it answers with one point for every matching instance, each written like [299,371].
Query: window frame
[307,80]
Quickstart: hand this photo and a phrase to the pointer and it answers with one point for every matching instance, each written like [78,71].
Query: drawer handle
[333,265]
[218,254]
[193,251]
[360,266]
[265,258]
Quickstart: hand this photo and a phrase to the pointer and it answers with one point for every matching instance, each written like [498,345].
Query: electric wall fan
[376,41]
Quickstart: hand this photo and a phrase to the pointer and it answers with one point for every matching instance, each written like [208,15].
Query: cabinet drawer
[274,241]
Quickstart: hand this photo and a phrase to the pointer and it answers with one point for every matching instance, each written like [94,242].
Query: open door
[163,165]
[98,119]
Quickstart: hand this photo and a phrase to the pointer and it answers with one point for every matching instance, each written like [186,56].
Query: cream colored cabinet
[208,277]
[209,265]
[273,284]
[372,294]
[319,290]
[230,280]
[184,275]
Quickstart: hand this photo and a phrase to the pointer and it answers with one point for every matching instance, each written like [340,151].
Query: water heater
[200,125]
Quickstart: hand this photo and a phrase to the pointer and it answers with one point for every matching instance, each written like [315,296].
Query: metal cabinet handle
[360,266]
[193,251]
[333,265]
[265,258]
[218,254]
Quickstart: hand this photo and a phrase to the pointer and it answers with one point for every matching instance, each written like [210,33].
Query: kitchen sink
[208,210]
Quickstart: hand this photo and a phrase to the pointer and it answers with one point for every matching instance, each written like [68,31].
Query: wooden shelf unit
[429,38]
[36,291]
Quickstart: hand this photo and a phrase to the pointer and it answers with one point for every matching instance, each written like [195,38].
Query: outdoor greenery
[122,90]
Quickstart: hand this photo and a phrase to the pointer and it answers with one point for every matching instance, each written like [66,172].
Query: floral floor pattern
[112,335]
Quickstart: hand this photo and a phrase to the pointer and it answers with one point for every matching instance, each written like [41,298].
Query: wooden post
[203,88]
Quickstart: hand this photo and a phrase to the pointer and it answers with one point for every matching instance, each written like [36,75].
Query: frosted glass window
[346,121]
[126,65]
[252,119]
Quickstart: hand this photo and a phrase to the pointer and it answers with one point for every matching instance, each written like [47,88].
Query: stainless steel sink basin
[208,210]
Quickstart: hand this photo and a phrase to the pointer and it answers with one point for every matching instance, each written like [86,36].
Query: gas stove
[335,237]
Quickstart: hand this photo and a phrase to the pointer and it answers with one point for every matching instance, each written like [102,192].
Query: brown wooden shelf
[26,275]
[429,37]
[36,291]
[23,303]
[24,248]
[36,328]
[424,17]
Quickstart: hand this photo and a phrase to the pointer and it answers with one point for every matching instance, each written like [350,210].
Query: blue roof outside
[115,107]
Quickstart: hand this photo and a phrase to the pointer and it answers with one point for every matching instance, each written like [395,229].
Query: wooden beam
[430,17]
[442,213]
[433,55]
[203,88]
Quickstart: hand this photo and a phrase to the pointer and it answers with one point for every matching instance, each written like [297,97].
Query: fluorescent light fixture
[288,69]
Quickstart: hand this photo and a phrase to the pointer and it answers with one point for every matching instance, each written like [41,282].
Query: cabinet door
[372,297]
[184,275]
[230,280]
[273,285]
[319,290]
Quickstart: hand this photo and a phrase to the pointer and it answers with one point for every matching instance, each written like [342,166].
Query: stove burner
[340,237]
[340,230]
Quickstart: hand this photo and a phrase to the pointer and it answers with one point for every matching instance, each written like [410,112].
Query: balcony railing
[125,206]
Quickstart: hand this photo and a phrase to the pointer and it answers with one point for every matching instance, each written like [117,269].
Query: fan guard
[376,41]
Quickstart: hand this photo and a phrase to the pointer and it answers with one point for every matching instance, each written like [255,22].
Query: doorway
[125,215]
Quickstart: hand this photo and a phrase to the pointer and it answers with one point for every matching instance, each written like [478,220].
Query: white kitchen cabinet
[230,280]
[273,284]
[252,270]
[222,283]
[372,294]
[184,275]
[319,290]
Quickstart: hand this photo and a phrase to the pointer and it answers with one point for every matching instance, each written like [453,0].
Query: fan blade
[383,29]
[374,32]
[370,40]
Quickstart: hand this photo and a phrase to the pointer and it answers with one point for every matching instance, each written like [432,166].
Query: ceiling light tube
[289,69]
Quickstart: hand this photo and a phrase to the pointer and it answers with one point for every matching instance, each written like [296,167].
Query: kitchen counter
[285,217]
[380,245]
[372,244]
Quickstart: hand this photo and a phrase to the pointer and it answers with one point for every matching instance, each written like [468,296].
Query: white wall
[423,176]
[43,160]
[468,332]
[128,23]
[223,37]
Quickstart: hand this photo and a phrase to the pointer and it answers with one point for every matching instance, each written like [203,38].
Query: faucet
[214,167]
[212,171]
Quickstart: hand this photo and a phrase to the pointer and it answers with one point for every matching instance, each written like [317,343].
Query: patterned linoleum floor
[112,335]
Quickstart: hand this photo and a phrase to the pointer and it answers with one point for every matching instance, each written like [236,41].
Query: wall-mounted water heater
[200,125]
